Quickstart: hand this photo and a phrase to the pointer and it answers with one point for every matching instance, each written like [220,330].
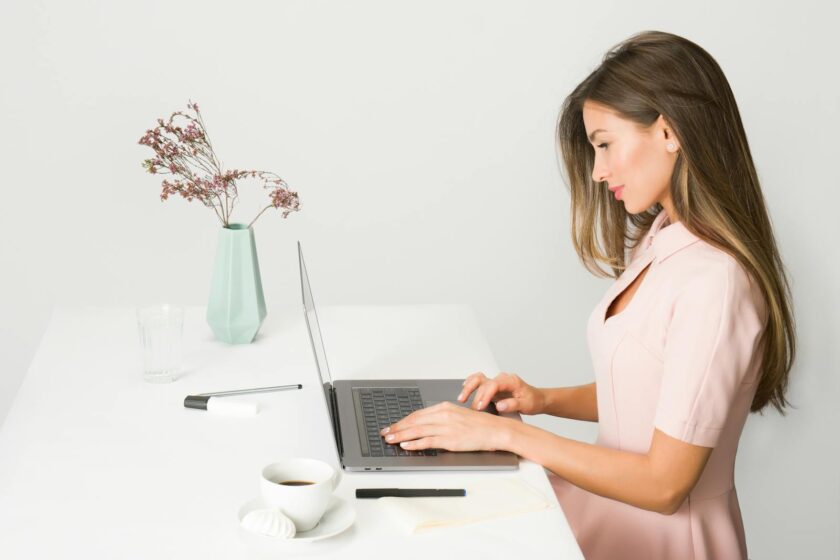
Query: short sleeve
[710,345]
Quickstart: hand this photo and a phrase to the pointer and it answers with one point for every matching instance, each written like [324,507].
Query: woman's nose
[599,173]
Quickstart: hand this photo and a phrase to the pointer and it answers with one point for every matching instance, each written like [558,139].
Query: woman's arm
[577,403]
[656,481]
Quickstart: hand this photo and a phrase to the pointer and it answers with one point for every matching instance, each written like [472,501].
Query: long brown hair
[714,186]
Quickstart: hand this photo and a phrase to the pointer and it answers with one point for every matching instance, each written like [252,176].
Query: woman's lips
[617,191]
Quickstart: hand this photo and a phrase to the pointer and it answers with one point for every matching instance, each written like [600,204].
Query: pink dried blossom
[186,152]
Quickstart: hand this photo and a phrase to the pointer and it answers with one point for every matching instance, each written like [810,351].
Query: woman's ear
[666,134]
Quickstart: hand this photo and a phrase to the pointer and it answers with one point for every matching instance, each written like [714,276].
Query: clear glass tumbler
[161,329]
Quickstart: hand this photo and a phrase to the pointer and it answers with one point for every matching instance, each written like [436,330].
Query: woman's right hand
[507,390]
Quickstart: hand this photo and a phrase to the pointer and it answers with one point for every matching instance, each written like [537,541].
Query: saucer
[339,516]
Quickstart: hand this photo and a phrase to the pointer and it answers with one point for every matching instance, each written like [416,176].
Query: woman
[696,332]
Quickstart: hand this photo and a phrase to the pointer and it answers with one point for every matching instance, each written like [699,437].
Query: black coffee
[296,483]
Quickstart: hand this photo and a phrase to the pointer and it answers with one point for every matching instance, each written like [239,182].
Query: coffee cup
[301,488]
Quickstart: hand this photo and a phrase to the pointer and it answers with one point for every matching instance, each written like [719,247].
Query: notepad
[486,499]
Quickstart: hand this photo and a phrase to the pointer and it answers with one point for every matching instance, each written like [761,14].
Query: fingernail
[404,444]
[385,430]
[480,403]
[461,397]
[390,437]
[501,406]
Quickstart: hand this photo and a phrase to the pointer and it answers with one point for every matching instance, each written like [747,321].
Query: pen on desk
[256,390]
[410,492]
[212,402]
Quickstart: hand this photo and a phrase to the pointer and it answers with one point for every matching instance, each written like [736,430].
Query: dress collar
[666,241]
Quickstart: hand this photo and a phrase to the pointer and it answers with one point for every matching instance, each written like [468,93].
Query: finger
[424,443]
[470,384]
[486,392]
[507,405]
[490,390]
[473,375]
[505,386]
[414,432]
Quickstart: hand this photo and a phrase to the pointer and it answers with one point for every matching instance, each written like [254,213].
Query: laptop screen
[318,349]
[312,323]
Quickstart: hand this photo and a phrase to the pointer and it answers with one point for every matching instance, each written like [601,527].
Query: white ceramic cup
[304,504]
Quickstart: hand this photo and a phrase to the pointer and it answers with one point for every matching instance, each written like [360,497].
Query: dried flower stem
[258,215]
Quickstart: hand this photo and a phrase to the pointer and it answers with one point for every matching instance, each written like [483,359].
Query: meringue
[271,522]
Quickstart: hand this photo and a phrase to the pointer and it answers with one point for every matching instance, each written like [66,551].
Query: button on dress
[682,357]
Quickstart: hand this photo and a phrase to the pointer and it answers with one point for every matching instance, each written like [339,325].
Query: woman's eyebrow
[594,132]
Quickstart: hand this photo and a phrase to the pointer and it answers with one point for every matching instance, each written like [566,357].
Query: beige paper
[486,499]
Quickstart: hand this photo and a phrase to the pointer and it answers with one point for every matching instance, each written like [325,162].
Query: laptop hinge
[336,423]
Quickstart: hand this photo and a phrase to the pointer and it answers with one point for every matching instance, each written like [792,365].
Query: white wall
[420,139]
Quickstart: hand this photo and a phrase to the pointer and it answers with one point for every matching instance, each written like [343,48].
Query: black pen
[410,492]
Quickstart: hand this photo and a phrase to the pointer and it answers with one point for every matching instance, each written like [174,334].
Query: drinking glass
[161,329]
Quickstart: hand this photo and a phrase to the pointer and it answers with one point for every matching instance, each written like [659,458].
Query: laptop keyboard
[382,407]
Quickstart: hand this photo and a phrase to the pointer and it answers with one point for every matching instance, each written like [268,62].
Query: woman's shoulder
[704,271]
[702,261]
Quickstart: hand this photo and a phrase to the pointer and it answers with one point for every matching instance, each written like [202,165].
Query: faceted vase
[236,308]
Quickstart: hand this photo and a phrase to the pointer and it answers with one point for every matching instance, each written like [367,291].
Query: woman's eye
[602,146]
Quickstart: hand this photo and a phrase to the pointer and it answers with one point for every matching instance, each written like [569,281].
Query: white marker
[216,404]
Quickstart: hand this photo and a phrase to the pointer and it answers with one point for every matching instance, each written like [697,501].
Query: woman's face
[638,162]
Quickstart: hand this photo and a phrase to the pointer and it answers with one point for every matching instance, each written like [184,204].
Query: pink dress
[682,358]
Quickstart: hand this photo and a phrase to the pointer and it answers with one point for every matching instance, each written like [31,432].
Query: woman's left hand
[449,426]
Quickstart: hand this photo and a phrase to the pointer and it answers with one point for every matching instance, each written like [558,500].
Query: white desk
[96,463]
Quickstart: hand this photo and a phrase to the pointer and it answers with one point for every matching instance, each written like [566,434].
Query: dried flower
[185,152]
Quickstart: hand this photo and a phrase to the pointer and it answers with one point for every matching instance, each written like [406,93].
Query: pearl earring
[671,146]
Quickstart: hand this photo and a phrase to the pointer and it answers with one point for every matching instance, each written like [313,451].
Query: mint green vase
[236,308]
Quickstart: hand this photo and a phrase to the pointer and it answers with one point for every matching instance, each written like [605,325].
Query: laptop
[360,408]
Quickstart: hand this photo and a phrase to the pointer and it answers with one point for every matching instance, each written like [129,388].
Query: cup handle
[336,478]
